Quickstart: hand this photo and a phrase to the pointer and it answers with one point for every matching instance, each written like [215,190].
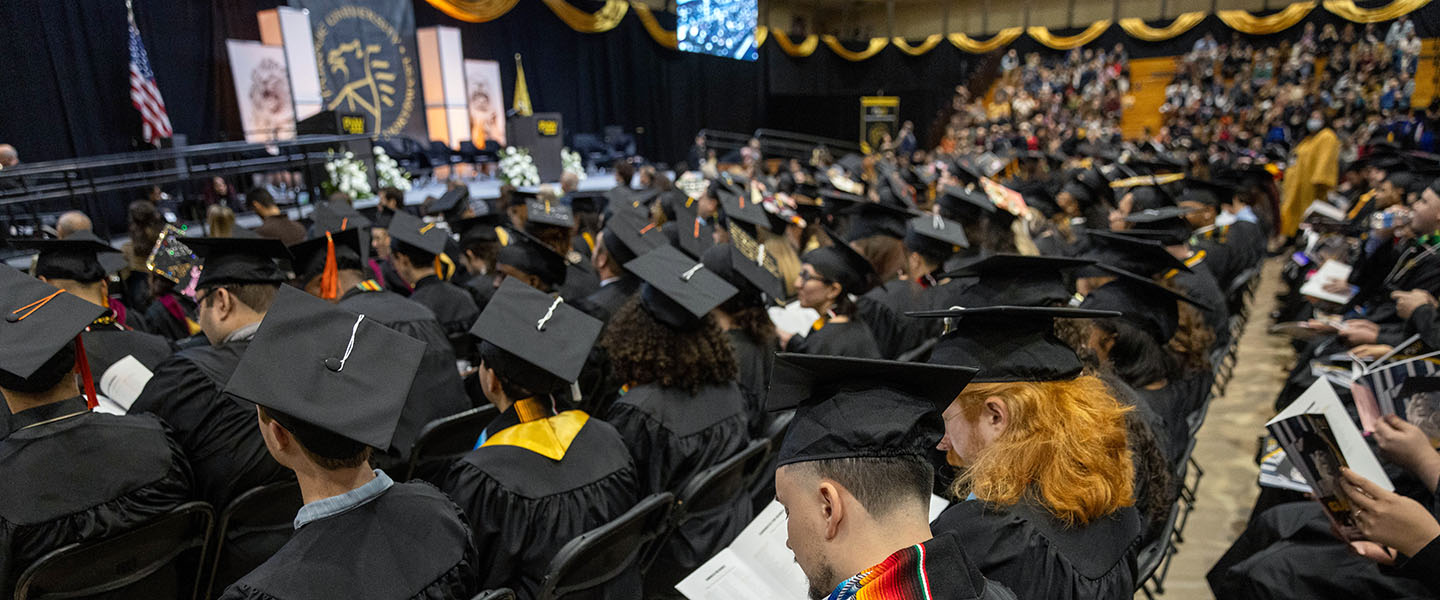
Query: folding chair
[604,553]
[445,439]
[252,529]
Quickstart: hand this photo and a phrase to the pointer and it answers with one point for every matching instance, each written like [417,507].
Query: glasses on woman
[812,276]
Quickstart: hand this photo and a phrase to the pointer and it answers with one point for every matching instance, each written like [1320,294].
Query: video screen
[718,27]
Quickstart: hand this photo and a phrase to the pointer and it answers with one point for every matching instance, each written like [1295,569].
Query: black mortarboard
[1149,305]
[337,217]
[876,218]
[314,365]
[688,231]
[531,256]
[76,257]
[313,255]
[756,284]
[639,198]
[861,408]
[484,228]
[550,338]
[238,260]
[1166,225]
[965,168]
[742,208]
[1089,186]
[678,291]
[452,203]
[1009,343]
[426,237]
[1017,280]
[1143,256]
[586,202]
[628,235]
[843,265]
[1208,193]
[965,204]
[39,321]
[548,213]
[935,236]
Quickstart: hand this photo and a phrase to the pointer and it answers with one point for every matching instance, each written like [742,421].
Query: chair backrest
[603,553]
[449,437]
[252,528]
[718,486]
[500,594]
[128,564]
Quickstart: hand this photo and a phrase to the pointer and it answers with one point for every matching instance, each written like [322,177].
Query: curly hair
[1193,340]
[643,350]
[753,320]
[1065,448]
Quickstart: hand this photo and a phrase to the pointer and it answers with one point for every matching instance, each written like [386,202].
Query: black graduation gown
[1200,285]
[385,272]
[437,390]
[108,343]
[1027,550]
[1224,262]
[673,435]
[893,331]
[80,478]
[1172,430]
[219,433]
[756,363]
[851,338]
[606,301]
[481,287]
[524,506]
[410,542]
[580,281]
[454,309]
[162,323]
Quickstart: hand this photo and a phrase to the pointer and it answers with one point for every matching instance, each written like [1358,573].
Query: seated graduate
[972,209]
[418,251]
[330,267]
[1045,459]
[1169,227]
[553,223]
[73,265]
[480,241]
[527,258]
[681,410]
[541,475]
[381,264]
[329,386]
[930,243]
[855,480]
[626,236]
[746,322]
[238,282]
[1231,248]
[830,279]
[70,474]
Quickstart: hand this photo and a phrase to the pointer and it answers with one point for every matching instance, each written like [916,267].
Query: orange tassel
[330,277]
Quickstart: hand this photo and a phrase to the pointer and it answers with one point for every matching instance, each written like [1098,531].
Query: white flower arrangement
[389,171]
[517,168]
[346,175]
[571,162]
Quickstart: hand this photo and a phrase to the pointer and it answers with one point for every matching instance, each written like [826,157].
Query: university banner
[879,119]
[365,51]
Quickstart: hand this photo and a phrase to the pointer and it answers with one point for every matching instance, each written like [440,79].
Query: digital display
[718,27]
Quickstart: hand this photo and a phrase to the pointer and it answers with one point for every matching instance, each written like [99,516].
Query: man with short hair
[8,156]
[417,250]
[72,222]
[275,224]
[626,236]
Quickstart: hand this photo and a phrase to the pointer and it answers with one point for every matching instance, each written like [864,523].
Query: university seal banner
[365,51]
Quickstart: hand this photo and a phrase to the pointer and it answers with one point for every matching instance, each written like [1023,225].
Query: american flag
[155,123]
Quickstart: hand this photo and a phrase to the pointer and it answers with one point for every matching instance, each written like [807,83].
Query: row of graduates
[1391,211]
[689,348]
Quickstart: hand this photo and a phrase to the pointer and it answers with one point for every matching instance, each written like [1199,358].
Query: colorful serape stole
[901,577]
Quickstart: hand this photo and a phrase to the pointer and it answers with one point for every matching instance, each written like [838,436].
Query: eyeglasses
[808,276]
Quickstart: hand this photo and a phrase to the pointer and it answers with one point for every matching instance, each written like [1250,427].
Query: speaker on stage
[334,122]
[543,135]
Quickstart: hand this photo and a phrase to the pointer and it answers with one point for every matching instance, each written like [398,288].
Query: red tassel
[84,363]
[330,277]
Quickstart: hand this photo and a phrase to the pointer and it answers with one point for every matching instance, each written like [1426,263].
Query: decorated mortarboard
[755,282]
[316,366]
[861,408]
[426,237]
[1166,225]
[1146,257]
[1008,343]
[529,255]
[324,256]
[742,208]
[77,257]
[876,218]
[1138,299]
[628,235]
[238,260]
[39,320]
[841,264]
[677,290]
[544,339]
[548,213]
[935,236]
[1017,280]
[452,203]
[689,232]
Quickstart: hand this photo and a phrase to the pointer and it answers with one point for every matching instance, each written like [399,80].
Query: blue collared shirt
[334,505]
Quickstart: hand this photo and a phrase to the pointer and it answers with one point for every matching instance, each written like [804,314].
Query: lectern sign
[547,127]
[879,117]
[365,50]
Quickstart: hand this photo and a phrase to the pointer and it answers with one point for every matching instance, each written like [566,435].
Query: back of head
[897,487]
[624,171]
[259,197]
[44,378]
[643,350]
[220,220]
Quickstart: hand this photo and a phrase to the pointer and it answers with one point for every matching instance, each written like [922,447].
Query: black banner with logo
[365,50]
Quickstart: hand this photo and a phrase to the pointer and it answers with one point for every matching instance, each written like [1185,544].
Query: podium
[543,135]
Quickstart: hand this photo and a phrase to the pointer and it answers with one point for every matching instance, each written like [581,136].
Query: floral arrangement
[346,175]
[389,171]
[571,162]
[517,169]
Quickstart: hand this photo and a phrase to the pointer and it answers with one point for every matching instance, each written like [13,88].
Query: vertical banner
[365,50]
[262,87]
[879,117]
[486,102]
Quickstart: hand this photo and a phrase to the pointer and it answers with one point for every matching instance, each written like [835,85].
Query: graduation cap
[742,209]
[965,204]
[678,291]
[383,218]
[1207,192]
[965,168]
[542,340]
[548,213]
[333,378]
[628,235]
[40,320]
[1017,280]
[426,237]
[689,232]
[484,228]
[238,260]
[755,283]
[876,218]
[861,408]
[1166,225]
[529,255]
[642,198]
[841,264]
[76,257]
[1134,254]
[934,236]
[1088,186]
[330,216]
[1149,305]
[1009,343]
[325,256]
[451,204]
[586,202]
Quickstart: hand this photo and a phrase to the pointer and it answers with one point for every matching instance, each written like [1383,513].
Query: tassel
[89,382]
[330,277]
[444,267]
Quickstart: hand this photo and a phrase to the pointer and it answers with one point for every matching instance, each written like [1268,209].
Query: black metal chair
[500,594]
[144,562]
[602,554]
[446,439]
[252,528]
[762,481]
[441,155]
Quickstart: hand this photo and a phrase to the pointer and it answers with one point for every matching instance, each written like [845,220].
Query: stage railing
[788,144]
